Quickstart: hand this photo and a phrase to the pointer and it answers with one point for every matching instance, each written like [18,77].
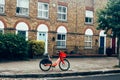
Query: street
[93,77]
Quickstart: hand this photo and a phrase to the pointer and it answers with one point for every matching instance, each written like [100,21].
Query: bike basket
[63,55]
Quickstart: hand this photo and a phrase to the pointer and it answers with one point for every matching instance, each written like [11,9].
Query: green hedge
[36,48]
[13,46]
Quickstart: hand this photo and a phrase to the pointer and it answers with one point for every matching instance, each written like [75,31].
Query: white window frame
[88,41]
[1,30]
[2,6]
[42,12]
[61,42]
[21,31]
[22,8]
[88,38]
[1,27]
[26,33]
[21,26]
[62,14]
[88,17]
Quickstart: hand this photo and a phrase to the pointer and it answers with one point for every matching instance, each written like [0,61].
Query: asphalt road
[93,77]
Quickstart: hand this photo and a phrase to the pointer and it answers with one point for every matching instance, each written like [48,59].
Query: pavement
[79,67]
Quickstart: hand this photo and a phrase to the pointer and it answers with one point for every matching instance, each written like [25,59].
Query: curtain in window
[89,13]
[23,3]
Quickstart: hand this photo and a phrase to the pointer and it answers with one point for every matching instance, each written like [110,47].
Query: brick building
[62,24]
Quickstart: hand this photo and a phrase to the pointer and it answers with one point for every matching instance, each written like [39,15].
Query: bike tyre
[67,63]
[42,64]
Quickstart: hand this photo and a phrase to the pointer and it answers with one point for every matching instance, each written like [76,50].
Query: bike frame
[56,62]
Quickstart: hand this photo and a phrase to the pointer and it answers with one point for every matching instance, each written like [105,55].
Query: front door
[113,45]
[102,41]
[43,36]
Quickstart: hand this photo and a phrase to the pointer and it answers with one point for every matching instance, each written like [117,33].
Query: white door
[43,36]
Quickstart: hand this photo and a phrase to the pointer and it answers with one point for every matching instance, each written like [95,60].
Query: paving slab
[79,66]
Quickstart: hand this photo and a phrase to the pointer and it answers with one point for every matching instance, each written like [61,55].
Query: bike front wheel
[45,64]
[65,65]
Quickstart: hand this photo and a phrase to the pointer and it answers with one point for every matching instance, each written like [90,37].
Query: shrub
[13,46]
[36,48]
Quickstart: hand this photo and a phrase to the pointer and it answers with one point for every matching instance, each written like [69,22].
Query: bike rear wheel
[45,64]
[64,66]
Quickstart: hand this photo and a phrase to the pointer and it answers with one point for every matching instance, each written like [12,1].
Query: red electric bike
[46,63]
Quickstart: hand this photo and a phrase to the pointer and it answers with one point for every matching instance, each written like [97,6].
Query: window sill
[58,47]
[2,14]
[22,16]
[42,18]
[62,21]
[91,24]
[88,48]
[63,49]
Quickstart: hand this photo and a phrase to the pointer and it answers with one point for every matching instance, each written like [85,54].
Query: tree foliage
[13,46]
[36,48]
[109,18]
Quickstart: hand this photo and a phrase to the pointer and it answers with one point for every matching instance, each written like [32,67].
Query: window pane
[1,8]
[64,16]
[63,43]
[89,13]
[58,43]
[45,7]
[43,10]
[63,37]
[1,31]
[59,37]
[86,19]
[88,41]
[86,38]
[39,6]
[59,16]
[2,4]
[89,20]
[59,9]
[22,7]
[45,14]
[39,13]
[23,3]
[64,10]
[22,33]
[62,13]
[61,40]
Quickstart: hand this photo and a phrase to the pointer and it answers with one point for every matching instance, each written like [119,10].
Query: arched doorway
[102,42]
[42,34]
[22,29]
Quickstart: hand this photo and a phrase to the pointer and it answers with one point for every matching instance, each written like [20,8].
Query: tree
[109,20]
